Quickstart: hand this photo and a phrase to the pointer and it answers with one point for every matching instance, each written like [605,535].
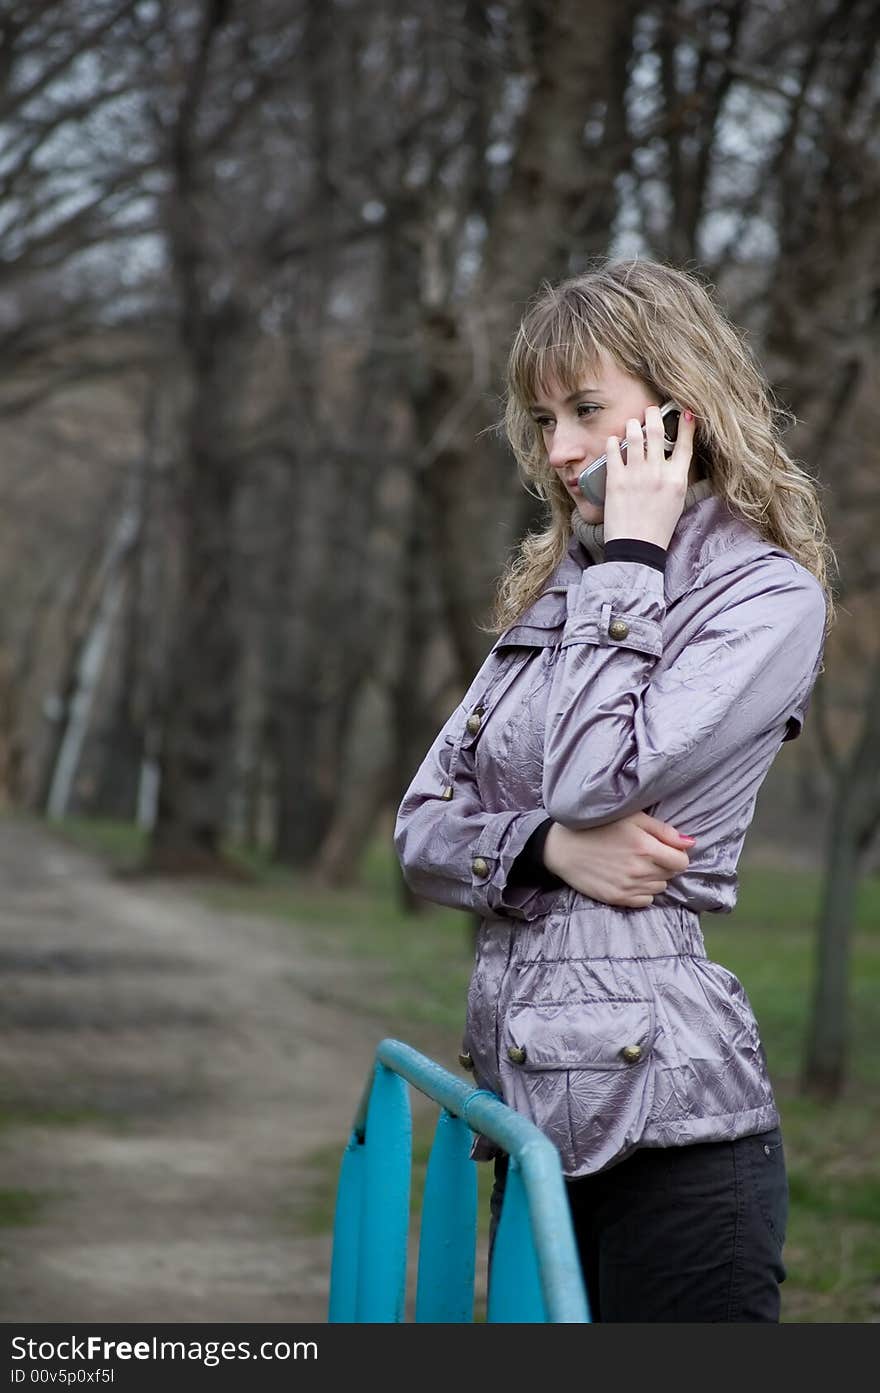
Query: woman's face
[576,428]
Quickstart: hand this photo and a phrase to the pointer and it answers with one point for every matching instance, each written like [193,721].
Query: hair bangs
[553,347]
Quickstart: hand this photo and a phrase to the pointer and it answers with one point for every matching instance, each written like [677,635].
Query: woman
[652,656]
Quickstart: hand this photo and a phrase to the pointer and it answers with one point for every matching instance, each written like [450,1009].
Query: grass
[122,844]
[20,1113]
[417,968]
[19,1208]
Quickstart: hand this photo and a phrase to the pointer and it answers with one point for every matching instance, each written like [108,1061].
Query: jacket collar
[706,532]
[709,532]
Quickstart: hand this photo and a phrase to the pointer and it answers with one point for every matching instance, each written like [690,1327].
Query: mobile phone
[591,481]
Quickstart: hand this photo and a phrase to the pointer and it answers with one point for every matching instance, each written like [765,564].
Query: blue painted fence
[535,1274]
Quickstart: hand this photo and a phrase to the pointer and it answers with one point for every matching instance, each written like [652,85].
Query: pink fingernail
[688,415]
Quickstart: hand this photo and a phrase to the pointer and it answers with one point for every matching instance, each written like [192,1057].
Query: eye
[585,410]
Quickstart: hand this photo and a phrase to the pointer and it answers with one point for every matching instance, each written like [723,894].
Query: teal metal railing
[535,1272]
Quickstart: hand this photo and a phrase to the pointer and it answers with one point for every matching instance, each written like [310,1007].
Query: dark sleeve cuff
[529,868]
[632,549]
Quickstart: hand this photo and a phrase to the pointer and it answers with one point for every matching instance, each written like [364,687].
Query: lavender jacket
[621,688]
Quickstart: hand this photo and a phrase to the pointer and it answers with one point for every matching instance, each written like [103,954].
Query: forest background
[259,268]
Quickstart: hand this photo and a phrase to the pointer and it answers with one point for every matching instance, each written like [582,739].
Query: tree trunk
[855,814]
[196,754]
[197,740]
[825,1063]
[10,744]
[412,720]
[122,737]
[87,660]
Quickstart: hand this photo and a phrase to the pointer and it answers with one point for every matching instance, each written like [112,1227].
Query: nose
[567,446]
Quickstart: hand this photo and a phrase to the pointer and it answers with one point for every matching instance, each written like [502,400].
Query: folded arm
[622,732]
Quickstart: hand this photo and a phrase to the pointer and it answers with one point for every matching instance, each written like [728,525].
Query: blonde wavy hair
[662,326]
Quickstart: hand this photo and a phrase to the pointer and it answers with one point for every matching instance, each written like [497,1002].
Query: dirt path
[164,1072]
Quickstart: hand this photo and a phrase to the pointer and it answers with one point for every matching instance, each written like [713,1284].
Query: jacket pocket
[582,1072]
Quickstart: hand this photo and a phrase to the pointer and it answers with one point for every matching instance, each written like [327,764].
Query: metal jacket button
[631,1053]
[617,628]
[465,1059]
[516,1054]
[480,867]
[473,724]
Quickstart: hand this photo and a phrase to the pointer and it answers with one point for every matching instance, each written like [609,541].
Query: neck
[591,535]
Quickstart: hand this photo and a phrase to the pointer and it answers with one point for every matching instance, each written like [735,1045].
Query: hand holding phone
[591,480]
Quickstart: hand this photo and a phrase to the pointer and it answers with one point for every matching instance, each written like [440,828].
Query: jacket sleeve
[623,732]
[529,867]
[454,852]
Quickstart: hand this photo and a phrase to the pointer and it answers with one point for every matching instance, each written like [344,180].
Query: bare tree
[218,81]
[75,185]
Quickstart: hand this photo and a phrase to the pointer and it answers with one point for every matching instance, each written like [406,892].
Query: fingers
[642,441]
[644,893]
[664,831]
[635,442]
[669,853]
[684,438]
[655,429]
[613,457]
[669,861]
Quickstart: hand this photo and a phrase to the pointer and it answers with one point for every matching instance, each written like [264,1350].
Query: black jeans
[681,1233]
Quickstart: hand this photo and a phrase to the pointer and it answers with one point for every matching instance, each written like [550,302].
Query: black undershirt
[633,549]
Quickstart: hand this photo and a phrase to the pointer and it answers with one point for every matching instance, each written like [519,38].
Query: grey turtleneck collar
[591,535]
